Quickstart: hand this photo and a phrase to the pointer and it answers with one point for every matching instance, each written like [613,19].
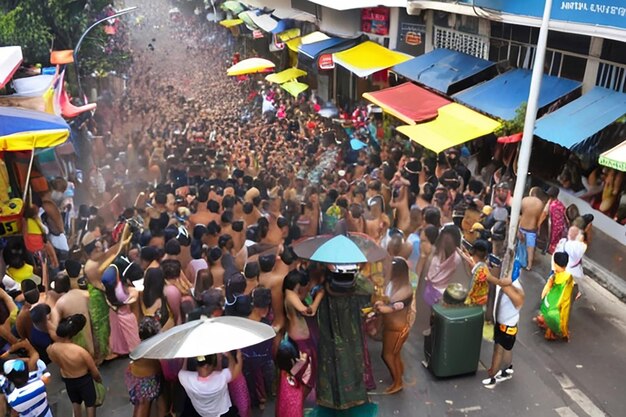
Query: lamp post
[529,128]
[82,37]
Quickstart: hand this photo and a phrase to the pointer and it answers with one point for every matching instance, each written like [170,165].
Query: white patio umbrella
[205,336]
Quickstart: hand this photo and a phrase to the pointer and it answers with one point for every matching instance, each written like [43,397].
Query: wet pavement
[581,378]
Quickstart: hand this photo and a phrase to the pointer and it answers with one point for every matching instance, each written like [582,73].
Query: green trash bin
[453,347]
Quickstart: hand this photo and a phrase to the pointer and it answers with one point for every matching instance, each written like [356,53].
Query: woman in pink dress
[124,335]
[556,212]
[295,379]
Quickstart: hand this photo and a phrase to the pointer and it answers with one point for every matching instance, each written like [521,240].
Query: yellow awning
[289,34]
[306,39]
[369,57]
[294,87]
[229,23]
[455,124]
[286,75]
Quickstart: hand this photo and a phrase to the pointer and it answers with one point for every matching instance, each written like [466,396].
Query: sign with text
[375,20]
[411,34]
[611,13]
[326,62]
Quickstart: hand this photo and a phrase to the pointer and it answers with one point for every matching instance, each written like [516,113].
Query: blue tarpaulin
[442,68]
[312,50]
[504,94]
[582,118]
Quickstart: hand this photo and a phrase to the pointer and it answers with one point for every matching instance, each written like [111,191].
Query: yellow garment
[20,274]
[33,227]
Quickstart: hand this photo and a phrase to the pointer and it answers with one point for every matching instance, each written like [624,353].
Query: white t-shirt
[209,396]
[507,314]
[575,249]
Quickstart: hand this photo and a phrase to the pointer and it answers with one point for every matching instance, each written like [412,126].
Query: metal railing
[611,75]
[475,45]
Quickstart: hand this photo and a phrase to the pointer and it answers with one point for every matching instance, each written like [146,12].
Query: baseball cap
[11,365]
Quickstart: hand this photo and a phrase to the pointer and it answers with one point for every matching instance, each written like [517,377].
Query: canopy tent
[229,23]
[264,21]
[446,70]
[309,54]
[251,66]
[10,60]
[294,87]
[286,75]
[358,4]
[23,130]
[408,102]
[615,158]
[313,37]
[288,13]
[247,20]
[368,57]
[233,6]
[503,95]
[455,124]
[582,118]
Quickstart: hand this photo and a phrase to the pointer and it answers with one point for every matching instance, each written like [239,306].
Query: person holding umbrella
[207,387]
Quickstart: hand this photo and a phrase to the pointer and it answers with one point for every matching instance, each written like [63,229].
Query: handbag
[101,392]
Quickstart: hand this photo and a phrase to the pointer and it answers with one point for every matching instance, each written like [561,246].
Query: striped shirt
[30,400]
[6,387]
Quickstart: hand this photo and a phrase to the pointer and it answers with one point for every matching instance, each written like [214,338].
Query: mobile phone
[494,261]
[302,206]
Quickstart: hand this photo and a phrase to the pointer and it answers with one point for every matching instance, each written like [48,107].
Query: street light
[80,41]
[529,129]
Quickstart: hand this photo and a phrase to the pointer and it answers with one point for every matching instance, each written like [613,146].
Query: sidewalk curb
[613,283]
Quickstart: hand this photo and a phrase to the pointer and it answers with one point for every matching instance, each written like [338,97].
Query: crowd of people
[194,202]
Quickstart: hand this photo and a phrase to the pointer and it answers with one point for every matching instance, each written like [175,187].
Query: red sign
[375,20]
[413,38]
[257,34]
[326,62]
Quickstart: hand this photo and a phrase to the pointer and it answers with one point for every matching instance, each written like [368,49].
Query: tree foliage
[38,25]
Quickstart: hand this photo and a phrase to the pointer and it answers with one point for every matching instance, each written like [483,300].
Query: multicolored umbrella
[205,336]
[615,158]
[294,87]
[353,248]
[251,66]
[25,130]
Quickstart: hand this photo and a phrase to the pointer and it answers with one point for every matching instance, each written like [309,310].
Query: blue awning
[504,94]
[582,118]
[312,50]
[442,68]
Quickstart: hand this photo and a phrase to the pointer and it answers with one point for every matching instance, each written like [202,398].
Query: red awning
[408,102]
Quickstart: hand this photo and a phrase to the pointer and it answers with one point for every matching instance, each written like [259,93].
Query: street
[581,378]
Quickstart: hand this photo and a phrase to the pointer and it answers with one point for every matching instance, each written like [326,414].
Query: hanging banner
[326,62]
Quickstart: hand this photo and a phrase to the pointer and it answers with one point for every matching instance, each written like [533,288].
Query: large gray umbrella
[204,337]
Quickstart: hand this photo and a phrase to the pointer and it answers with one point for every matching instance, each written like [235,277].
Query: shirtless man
[71,302]
[532,207]
[400,202]
[202,214]
[78,368]
[215,267]
[271,278]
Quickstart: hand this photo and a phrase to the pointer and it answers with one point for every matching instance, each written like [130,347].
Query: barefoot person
[532,207]
[397,321]
[78,368]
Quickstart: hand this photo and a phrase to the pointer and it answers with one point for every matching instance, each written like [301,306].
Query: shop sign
[610,13]
[375,20]
[276,45]
[257,34]
[326,62]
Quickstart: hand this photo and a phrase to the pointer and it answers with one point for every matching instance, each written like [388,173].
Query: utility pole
[529,129]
